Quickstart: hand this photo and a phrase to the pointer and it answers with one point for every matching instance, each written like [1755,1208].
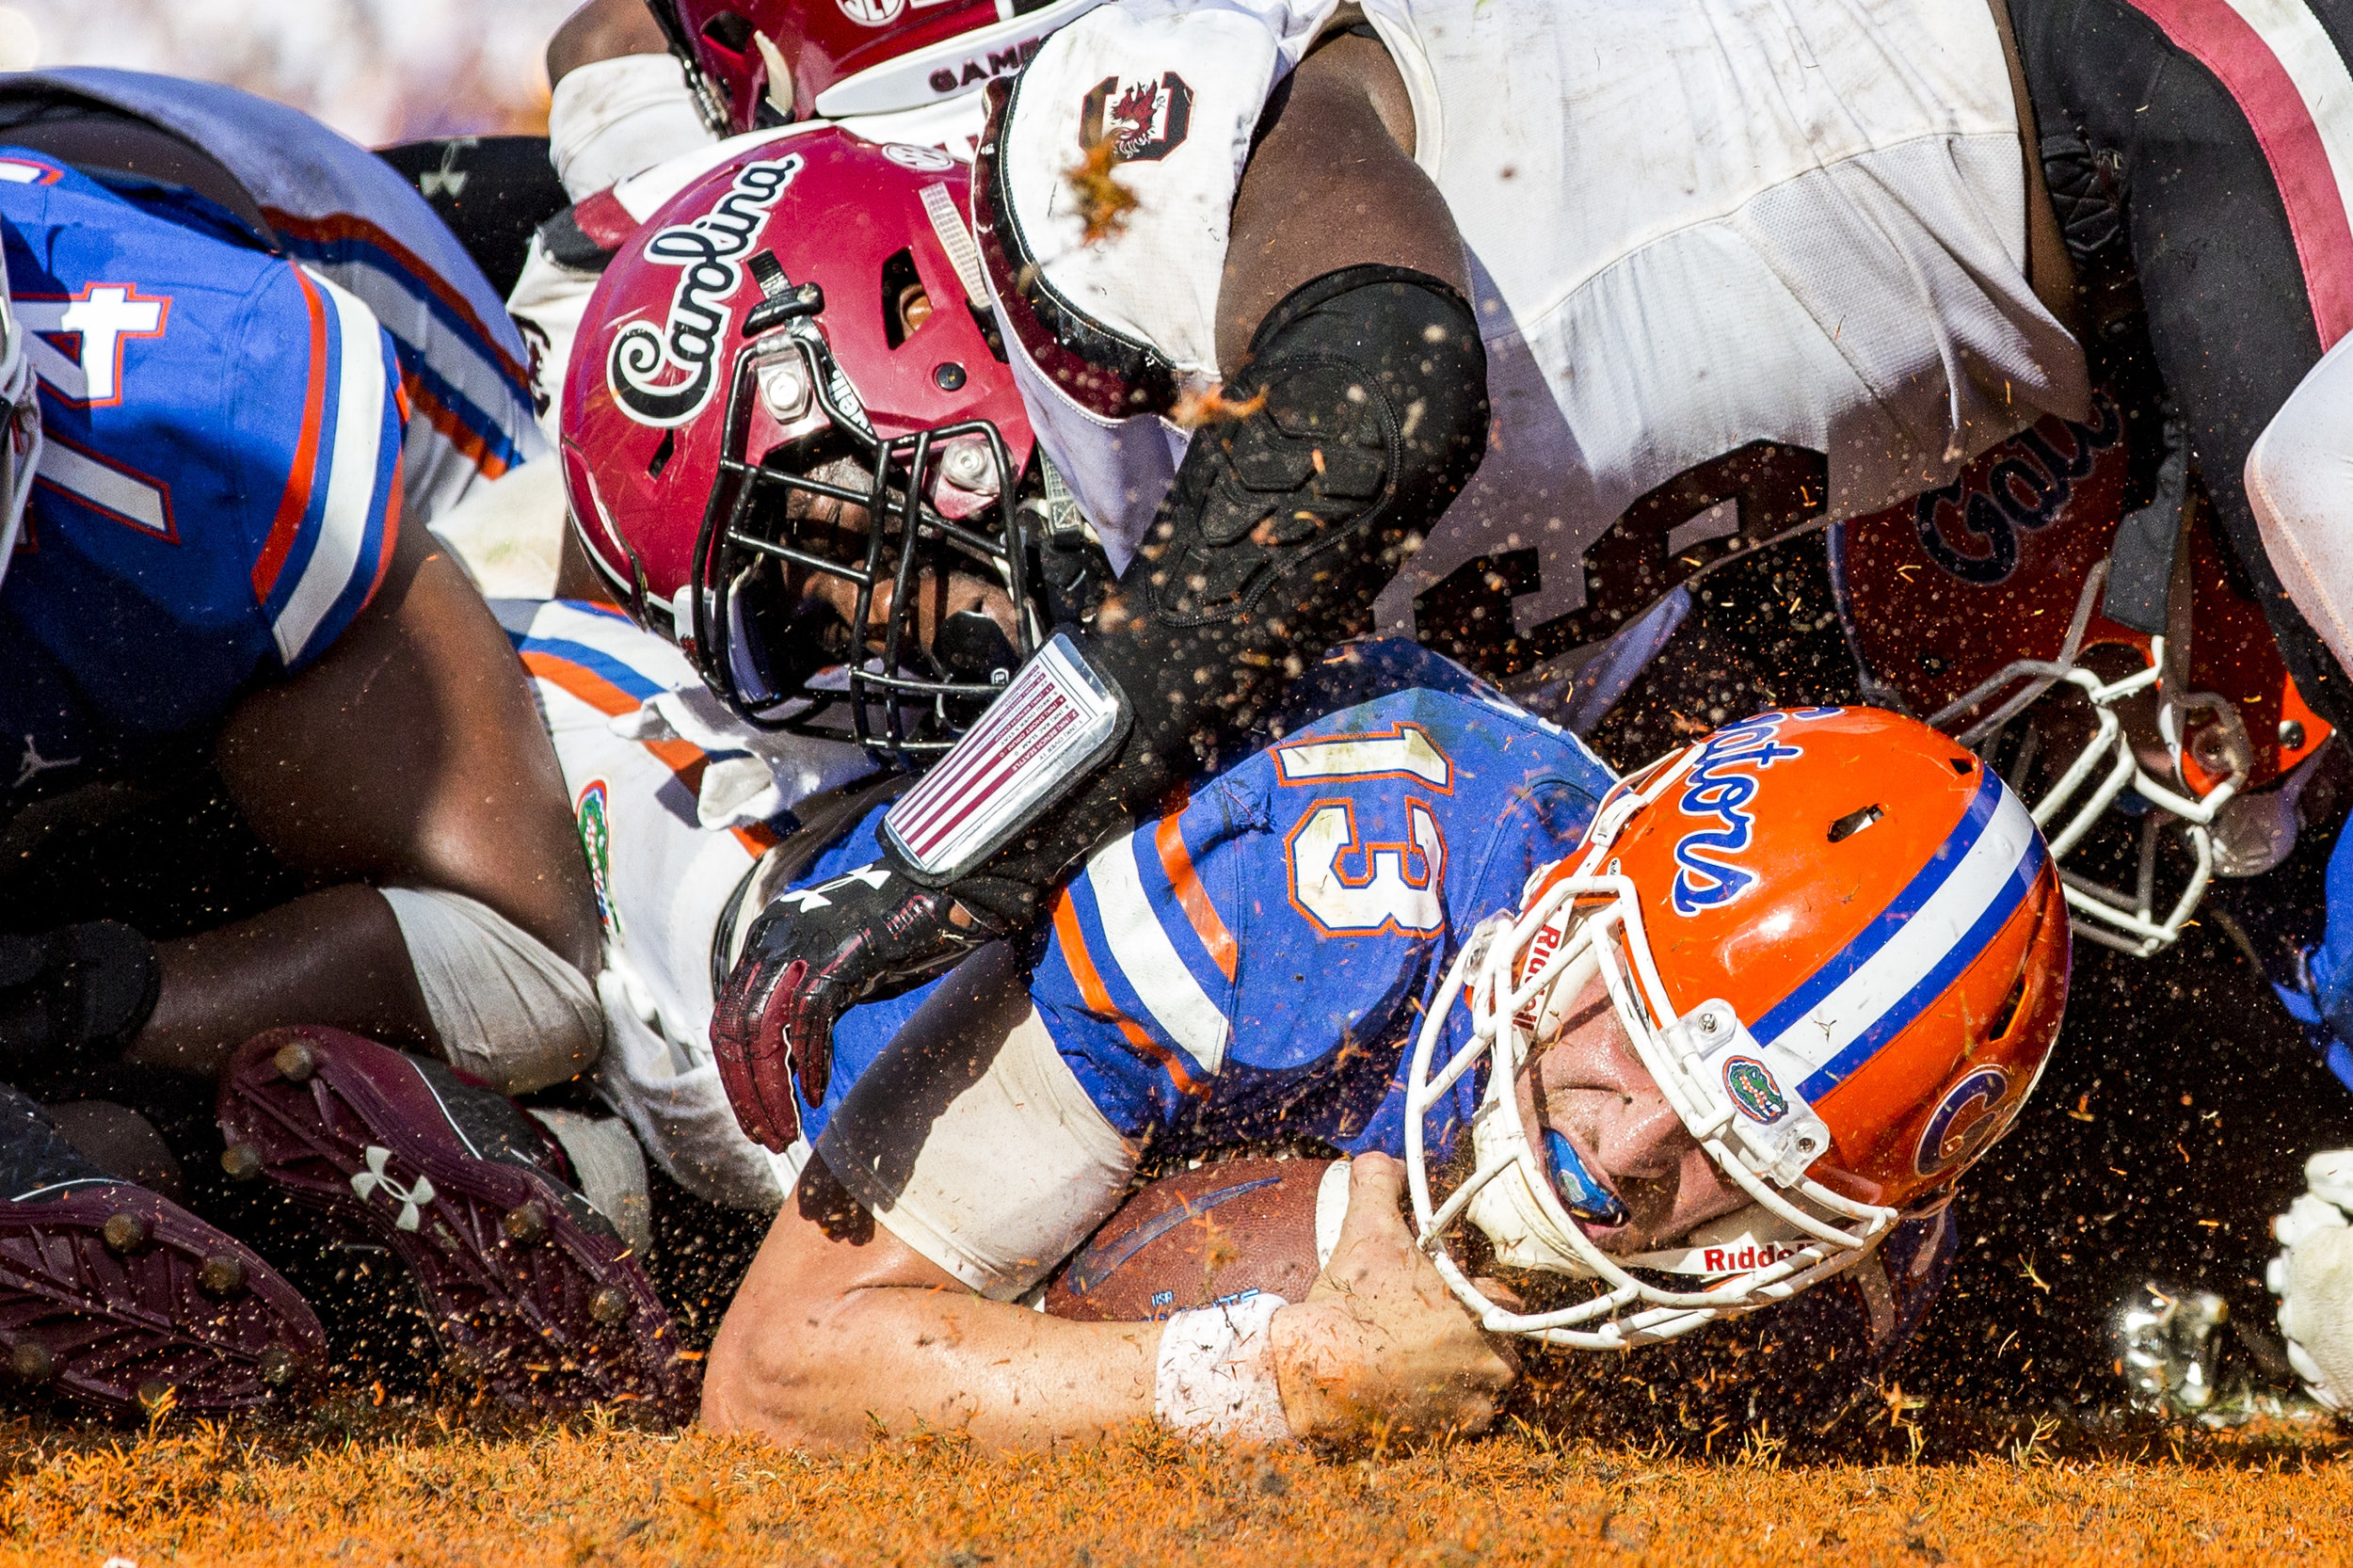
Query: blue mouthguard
[1579,1192]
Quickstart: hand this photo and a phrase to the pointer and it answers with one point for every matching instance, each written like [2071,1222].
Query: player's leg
[532,1290]
[2208,136]
[409,757]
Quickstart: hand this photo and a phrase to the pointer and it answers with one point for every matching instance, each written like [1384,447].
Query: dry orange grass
[357,1487]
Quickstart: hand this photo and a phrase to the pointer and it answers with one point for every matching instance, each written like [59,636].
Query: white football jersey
[1740,265]
[673,798]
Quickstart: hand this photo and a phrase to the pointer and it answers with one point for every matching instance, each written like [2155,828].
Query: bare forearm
[331,957]
[602,30]
[895,1360]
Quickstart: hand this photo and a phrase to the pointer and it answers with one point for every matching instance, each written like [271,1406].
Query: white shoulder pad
[1179,88]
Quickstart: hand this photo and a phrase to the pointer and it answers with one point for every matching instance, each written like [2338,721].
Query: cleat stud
[297,1061]
[527,1225]
[152,1393]
[126,1232]
[241,1162]
[609,1305]
[221,1274]
[30,1362]
[279,1366]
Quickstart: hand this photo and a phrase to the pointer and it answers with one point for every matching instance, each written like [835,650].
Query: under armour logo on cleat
[366,1182]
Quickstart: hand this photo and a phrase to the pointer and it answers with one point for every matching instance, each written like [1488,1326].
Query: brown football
[1203,1236]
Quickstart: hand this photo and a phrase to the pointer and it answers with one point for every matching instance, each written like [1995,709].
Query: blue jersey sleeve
[319,429]
[219,490]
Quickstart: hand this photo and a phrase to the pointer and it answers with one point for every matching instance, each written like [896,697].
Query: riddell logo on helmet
[1732,1260]
[1719,787]
[1541,948]
[664,376]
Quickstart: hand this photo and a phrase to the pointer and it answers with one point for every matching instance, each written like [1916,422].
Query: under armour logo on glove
[411,1198]
[807,899]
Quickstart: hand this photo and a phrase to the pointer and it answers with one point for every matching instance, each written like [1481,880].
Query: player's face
[825,605]
[1588,1085]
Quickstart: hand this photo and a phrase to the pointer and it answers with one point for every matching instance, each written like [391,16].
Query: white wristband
[1216,1373]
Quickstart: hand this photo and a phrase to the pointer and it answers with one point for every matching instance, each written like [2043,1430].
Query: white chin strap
[1787,1240]
[20,438]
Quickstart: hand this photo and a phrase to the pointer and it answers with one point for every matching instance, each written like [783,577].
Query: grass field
[355,1486]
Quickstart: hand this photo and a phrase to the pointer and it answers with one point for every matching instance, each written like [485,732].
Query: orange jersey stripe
[682,758]
[392,504]
[1176,861]
[296,504]
[1092,990]
[470,443]
[342,226]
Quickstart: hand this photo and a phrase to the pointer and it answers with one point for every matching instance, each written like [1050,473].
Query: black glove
[810,956]
[75,993]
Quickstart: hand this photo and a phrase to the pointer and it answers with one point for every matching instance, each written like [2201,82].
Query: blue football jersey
[219,490]
[346,215]
[1255,965]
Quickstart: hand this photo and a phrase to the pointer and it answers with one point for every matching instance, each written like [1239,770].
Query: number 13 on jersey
[1386,876]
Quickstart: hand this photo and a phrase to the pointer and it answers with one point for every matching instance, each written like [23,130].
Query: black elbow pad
[1359,416]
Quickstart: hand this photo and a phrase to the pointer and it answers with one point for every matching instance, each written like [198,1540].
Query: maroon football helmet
[791,443]
[1979,607]
[765,62]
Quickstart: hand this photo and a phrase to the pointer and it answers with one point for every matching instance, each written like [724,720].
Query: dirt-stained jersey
[1738,264]
[1250,967]
[219,486]
[664,862]
[1254,965]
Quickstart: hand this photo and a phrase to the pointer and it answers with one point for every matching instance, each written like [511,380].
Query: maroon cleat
[118,1301]
[530,1291]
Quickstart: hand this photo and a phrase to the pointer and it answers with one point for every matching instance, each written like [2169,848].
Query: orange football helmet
[1836,941]
[1973,603]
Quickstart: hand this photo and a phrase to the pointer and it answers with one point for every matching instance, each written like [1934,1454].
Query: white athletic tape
[1216,1373]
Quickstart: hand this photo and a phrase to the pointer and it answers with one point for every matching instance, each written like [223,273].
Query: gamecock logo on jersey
[1719,788]
[1971,526]
[1146,120]
[664,376]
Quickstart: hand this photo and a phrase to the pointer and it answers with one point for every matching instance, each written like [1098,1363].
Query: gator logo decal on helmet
[1752,1089]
